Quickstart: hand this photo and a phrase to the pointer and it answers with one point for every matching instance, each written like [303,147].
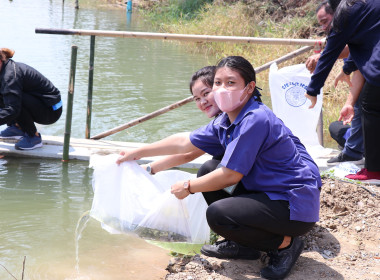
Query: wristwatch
[186,186]
[149,169]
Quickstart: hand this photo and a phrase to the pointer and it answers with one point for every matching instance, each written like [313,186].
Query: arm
[344,53]
[347,112]
[175,144]
[213,181]
[173,160]
[336,42]
[312,61]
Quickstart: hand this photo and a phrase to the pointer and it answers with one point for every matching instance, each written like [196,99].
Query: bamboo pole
[181,37]
[70,98]
[90,86]
[144,118]
[284,58]
[190,98]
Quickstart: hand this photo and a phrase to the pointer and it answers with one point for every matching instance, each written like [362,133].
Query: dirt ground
[345,243]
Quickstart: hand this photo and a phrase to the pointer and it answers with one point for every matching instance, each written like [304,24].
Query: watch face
[186,185]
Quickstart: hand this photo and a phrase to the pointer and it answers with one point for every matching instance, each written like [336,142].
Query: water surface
[132,77]
[41,201]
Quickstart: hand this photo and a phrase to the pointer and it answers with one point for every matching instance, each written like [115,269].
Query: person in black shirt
[26,98]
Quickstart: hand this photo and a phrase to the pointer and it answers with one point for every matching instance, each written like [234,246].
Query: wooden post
[320,129]
[76,4]
[90,86]
[70,98]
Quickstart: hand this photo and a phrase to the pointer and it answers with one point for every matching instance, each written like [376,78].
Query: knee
[214,215]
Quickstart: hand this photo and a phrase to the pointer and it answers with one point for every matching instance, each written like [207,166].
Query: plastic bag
[128,199]
[343,169]
[118,201]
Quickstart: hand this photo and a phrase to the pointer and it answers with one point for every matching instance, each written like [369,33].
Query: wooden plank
[82,149]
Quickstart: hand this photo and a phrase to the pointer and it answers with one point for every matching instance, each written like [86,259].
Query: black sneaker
[227,249]
[281,262]
[344,158]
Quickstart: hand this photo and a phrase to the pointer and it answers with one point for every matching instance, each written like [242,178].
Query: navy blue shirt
[361,32]
[17,79]
[259,146]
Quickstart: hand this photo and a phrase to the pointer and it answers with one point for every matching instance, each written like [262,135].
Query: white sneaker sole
[31,148]
[11,137]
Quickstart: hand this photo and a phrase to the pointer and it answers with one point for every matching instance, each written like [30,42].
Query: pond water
[40,206]
[41,202]
[132,77]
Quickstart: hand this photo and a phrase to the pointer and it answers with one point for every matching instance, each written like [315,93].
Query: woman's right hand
[127,155]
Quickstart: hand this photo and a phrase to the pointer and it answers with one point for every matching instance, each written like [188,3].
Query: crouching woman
[26,98]
[278,197]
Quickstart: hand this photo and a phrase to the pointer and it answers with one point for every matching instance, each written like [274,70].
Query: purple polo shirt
[259,146]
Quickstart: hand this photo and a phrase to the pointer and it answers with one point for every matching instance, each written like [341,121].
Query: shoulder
[259,113]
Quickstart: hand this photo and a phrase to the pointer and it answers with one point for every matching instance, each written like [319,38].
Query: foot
[12,132]
[344,158]
[227,249]
[29,142]
[365,175]
[281,262]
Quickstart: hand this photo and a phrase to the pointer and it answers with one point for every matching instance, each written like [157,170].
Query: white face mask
[229,100]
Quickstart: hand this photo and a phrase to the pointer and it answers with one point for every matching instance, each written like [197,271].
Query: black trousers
[34,110]
[250,218]
[371,125]
[337,131]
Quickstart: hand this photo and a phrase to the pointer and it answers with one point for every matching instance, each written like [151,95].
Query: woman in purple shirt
[357,24]
[280,197]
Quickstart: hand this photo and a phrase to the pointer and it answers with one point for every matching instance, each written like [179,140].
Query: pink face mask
[229,100]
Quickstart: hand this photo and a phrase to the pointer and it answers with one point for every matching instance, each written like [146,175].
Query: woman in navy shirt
[357,24]
[281,191]
[26,97]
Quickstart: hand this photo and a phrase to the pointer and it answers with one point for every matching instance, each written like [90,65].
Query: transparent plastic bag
[343,169]
[128,199]
[168,221]
[123,194]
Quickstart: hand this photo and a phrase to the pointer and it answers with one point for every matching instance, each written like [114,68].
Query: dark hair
[325,4]
[6,54]
[244,68]
[205,74]
[341,9]
[334,4]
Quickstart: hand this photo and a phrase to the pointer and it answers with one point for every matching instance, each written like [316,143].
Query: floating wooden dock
[82,149]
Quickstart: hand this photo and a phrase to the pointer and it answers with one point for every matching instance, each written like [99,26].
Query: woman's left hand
[179,191]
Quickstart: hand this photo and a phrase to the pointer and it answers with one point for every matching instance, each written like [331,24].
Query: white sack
[127,198]
[289,103]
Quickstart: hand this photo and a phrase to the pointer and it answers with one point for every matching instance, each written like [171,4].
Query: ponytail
[6,54]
